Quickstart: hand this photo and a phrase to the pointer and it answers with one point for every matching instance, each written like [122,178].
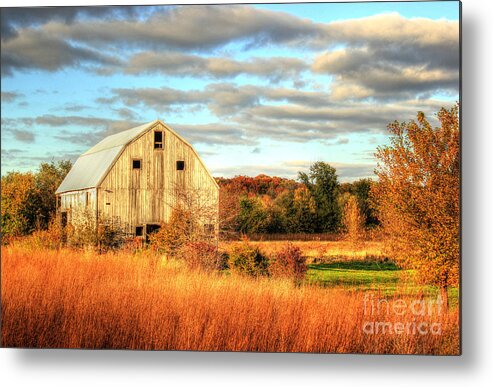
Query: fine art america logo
[401,316]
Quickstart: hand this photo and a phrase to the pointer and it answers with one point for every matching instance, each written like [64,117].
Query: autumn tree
[28,199]
[417,197]
[321,181]
[353,220]
[19,204]
[361,189]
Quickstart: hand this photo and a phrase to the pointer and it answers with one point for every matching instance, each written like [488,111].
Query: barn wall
[146,196]
[83,200]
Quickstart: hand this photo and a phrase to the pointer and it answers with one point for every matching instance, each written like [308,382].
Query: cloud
[35,50]
[191,28]
[214,134]
[277,113]
[390,57]
[290,169]
[26,136]
[181,65]
[10,96]
[12,19]
[384,57]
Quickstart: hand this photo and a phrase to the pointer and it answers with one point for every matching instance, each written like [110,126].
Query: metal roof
[91,167]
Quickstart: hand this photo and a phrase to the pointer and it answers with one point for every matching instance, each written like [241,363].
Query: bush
[248,259]
[110,235]
[201,255]
[174,235]
[51,238]
[289,263]
[81,232]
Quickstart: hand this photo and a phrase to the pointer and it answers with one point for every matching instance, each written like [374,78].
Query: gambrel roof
[92,166]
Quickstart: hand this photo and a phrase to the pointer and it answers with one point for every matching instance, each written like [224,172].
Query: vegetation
[249,260]
[289,262]
[271,205]
[353,220]
[28,199]
[417,197]
[66,299]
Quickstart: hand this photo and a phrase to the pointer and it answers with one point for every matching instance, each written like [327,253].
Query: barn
[136,178]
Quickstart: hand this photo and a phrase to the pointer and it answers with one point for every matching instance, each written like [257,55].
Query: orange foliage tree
[417,197]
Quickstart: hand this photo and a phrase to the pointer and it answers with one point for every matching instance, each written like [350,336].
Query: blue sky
[267,88]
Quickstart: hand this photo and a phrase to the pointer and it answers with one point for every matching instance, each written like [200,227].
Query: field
[65,298]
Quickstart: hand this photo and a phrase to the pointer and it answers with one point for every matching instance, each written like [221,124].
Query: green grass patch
[383,277]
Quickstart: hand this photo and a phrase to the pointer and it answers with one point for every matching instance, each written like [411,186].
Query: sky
[256,88]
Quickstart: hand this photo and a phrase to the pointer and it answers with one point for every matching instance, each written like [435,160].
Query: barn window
[139,231]
[158,139]
[180,165]
[136,164]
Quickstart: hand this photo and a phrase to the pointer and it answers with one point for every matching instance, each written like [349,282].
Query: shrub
[110,235]
[172,236]
[289,262]
[248,259]
[201,255]
[81,232]
[50,238]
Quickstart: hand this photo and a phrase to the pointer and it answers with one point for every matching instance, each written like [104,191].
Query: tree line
[314,203]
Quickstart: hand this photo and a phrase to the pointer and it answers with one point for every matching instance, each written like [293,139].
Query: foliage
[354,221]
[173,235]
[202,255]
[361,189]
[110,234]
[47,180]
[257,186]
[324,187]
[252,216]
[51,238]
[246,258]
[304,215]
[417,196]
[28,199]
[289,262]
[81,232]
[271,205]
[19,209]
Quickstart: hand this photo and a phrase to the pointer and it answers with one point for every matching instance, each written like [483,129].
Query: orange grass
[325,251]
[71,299]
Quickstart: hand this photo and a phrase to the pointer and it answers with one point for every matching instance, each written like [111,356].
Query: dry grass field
[69,299]
[323,251]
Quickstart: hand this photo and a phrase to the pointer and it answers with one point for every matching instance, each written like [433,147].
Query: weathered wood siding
[147,195]
[83,200]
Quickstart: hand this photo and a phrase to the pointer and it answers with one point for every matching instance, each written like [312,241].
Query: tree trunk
[444,296]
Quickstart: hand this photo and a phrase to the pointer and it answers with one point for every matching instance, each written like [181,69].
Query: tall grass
[72,299]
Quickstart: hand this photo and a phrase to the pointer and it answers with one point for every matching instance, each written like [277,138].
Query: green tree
[47,180]
[253,219]
[304,211]
[417,197]
[323,185]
